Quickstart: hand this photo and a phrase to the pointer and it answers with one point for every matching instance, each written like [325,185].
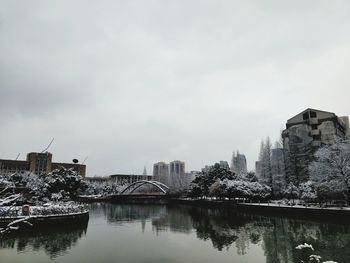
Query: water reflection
[53,241]
[134,233]
[225,229]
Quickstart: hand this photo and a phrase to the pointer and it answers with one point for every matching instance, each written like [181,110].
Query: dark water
[135,233]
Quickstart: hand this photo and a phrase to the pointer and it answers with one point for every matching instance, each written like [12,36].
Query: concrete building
[99,179]
[129,178]
[306,132]
[161,172]
[173,175]
[38,163]
[178,179]
[239,164]
[177,168]
[13,166]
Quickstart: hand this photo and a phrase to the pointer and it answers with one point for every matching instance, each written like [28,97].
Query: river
[160,233]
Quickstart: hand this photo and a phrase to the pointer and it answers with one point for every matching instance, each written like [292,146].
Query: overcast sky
[130,83]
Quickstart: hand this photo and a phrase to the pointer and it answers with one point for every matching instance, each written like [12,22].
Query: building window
[314,126]
[306,116]
[313,114]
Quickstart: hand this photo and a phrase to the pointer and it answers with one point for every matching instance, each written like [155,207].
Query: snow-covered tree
[240,189]
[278,174]
[220,182]
[66,180]
[331,169]
[291,192]
[298,156]
[203,181]
[251,177]
[61,183]
[307,191]
[104,188]
[265,175]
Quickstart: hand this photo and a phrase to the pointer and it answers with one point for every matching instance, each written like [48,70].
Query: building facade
[177,168]
[178,179]
[129,178]
[304,134]
[239,164]
[13,166]
[173,174]
[161,172]
[38,163]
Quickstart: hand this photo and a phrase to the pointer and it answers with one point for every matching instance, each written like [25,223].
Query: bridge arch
[162,187]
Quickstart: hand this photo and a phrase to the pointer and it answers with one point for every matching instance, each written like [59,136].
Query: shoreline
[50,219]
[267,209]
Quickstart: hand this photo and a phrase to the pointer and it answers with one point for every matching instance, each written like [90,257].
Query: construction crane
[84,160]
[48,146]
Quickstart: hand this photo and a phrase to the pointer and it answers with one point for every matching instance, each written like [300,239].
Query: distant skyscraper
[239,164]
[161,172]
[177,168]
[177,174]
[144,171]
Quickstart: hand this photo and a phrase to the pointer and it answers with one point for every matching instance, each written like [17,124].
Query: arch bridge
[131,188]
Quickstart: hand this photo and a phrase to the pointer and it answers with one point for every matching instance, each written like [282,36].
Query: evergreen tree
[264,174]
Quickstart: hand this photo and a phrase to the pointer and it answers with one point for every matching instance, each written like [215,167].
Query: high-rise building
[173,174]
[239,164]
[177,174]
[161,172]
[304,133]
[177,168]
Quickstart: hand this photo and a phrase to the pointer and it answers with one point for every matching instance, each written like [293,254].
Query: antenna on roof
[84,160]
[17,156]
[48,146]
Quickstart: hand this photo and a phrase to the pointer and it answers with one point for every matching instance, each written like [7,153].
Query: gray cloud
[129,83]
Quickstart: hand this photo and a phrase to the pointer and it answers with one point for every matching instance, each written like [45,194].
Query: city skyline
[128,84]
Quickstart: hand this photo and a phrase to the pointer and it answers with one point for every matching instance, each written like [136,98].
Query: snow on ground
[45,209]
[296,206]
